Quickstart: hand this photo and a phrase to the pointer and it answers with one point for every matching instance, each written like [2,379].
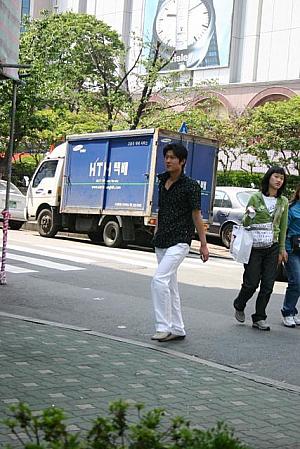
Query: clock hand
[196,6]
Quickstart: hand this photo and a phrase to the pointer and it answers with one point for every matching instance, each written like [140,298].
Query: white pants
[164,289]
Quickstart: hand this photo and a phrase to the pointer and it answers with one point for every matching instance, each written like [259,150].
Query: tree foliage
[60,50]
[79,66]
[70,55]
[272,133]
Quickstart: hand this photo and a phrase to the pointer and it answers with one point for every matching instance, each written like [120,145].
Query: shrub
[25,166]
[244,179]
[149,431]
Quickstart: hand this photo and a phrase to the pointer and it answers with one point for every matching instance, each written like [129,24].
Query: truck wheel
[15,225]
[226,234]
[95,237]
[46,225]
[112,234]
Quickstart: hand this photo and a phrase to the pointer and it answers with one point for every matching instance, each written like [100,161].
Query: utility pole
[10,150]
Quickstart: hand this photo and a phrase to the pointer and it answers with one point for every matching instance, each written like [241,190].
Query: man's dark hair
[266,179]
[178,149]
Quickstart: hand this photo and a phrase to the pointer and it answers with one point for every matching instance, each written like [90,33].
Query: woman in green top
[266,215]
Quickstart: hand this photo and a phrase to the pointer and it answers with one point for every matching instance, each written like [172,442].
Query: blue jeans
[293,289]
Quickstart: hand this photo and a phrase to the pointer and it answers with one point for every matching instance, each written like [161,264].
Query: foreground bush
[149,431]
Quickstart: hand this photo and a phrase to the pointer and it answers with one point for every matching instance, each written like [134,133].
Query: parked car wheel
[15,225]
[46,225]
[112,234]
[226,234]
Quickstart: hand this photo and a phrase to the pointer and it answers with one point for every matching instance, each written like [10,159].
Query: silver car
[229,208]
[17,202]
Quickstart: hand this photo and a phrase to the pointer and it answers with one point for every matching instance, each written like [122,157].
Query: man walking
[178,215]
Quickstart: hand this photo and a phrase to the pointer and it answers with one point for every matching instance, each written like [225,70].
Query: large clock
[188,28]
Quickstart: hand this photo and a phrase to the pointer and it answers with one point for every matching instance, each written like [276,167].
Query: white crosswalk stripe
[97,255]
[43,263]
[18,270]
[53,253]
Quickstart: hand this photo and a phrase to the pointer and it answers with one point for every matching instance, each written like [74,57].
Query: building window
[25,7]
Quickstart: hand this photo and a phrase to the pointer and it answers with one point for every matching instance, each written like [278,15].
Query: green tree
[272,133]
[71,55]
[63,74]
[79,63]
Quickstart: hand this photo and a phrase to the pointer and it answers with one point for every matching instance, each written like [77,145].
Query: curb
[227,368]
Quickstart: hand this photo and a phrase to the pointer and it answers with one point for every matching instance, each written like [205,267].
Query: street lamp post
[5,212]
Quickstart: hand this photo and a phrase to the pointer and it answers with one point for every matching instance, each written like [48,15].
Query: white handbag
[241,244]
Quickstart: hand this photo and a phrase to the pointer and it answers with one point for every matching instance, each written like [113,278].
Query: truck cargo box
[115,173]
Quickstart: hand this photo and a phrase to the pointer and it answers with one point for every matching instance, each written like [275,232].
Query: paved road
[75,282]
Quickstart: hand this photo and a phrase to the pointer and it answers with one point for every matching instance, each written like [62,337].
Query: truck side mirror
[25,181]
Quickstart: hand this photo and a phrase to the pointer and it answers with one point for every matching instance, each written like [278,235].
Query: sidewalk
[81,371]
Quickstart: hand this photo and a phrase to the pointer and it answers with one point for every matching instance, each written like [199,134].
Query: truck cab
[44,191]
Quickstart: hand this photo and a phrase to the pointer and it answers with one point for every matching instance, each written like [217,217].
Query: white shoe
[288,321]
[160,335]
[297,320]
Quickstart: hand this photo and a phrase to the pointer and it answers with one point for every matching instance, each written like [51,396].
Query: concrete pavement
[44,363]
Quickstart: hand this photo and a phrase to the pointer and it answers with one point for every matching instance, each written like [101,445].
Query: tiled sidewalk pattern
[82,373]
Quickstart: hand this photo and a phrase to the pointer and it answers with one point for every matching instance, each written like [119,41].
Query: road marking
[53,255]
[14,269]
[132,256]
[43,263]
[125,256]
[111,257]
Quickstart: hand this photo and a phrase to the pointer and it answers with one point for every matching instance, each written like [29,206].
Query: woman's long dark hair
[266,179]
[295,197]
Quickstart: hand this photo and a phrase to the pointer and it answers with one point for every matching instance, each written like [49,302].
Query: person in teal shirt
[289,310]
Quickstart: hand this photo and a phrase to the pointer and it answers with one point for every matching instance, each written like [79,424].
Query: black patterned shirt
[175,221]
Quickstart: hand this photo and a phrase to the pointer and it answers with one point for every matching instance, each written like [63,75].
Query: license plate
[12,204]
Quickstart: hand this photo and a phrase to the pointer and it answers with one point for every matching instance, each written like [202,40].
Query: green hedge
[118,430]
[24,168]
[244,179]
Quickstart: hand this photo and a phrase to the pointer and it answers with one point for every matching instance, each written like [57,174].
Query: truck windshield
[46,170]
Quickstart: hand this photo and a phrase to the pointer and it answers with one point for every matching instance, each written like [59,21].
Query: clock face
[186,27]
[166,23]
[198,21]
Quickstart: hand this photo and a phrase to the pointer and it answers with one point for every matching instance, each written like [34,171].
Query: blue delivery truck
[105,184]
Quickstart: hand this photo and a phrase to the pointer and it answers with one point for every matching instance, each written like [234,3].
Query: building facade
[250,47]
